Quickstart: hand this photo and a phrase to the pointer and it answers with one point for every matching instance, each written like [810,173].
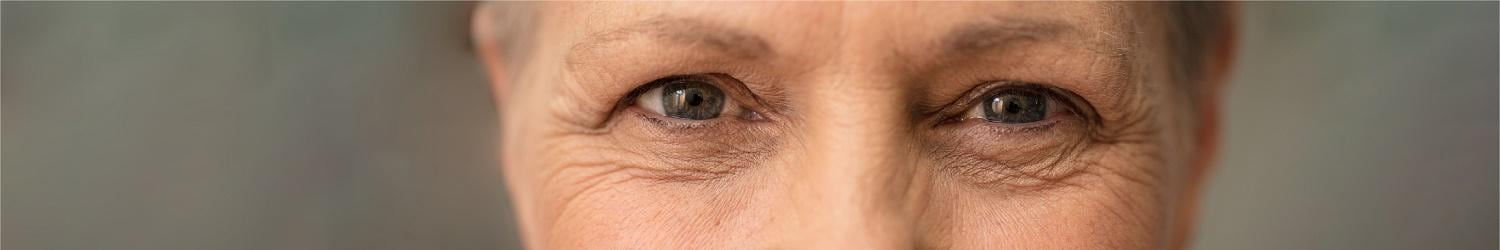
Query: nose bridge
[854,186]
[851,188]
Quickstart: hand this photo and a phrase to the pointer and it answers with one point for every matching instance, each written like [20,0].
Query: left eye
[684,98]
[1014,106]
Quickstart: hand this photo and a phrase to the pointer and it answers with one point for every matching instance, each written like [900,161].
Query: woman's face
[848,126]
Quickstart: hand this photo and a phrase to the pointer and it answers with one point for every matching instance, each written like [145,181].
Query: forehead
[1099,49]
[824,23]
[1088,47]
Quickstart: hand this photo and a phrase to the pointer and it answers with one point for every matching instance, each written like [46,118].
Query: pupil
[694,99]
[691,99]
[1011,107]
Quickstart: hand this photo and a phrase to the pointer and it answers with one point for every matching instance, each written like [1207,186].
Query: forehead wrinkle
[999,32]
[686,32]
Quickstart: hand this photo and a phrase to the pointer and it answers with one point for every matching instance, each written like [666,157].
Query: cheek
[591,202]
[1113,205]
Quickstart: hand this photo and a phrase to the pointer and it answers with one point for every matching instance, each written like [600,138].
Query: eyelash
[676,124]
[1068,106]
[714,79]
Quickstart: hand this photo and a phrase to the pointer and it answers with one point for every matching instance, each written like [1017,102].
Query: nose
[858,186]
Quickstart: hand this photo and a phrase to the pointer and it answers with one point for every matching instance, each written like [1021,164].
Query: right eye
[1015,107]
[1018,105]
[689,98]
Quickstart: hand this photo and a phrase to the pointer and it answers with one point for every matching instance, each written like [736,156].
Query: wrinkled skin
[852,144]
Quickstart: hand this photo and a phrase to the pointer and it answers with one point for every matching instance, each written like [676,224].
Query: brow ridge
[691,32]
[999,32]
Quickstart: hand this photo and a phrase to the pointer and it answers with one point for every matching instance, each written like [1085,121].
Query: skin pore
[849,125]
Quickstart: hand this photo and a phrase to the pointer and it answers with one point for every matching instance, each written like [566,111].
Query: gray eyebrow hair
[687,32]
[999,32]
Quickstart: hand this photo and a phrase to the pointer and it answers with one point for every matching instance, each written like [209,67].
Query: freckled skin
[852,147]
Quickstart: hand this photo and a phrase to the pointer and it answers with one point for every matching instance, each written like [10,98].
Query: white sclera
[651,100]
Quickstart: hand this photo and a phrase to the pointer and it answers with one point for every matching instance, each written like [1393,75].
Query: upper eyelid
[969,97]
[954,109]
[736,90]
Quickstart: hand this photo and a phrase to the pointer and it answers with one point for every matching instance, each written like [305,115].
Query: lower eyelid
[1000,128]
[672,123]
[1022,156]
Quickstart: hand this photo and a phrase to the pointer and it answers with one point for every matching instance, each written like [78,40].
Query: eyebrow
[999,32]
[685,32]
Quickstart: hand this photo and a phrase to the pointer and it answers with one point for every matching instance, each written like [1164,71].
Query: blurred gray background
[368,126]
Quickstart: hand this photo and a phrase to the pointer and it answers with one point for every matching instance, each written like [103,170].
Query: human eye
[693,100]
[684,98]
[1016,106]
[1015,133]
[692,127]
